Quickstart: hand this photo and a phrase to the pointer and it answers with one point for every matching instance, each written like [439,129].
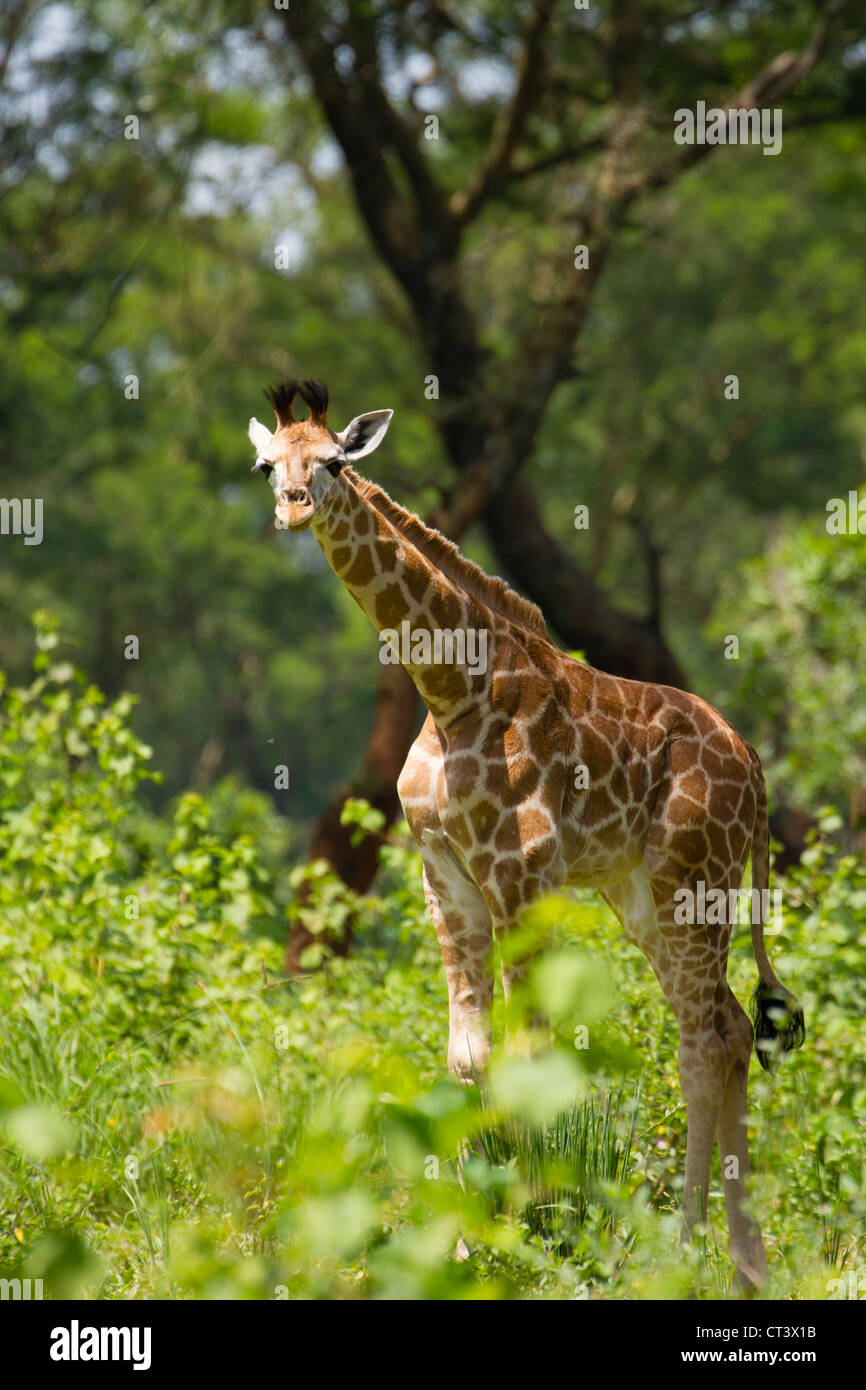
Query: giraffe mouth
[296,516]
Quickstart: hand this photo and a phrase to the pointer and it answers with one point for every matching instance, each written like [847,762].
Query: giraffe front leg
[690,969]
[463,927]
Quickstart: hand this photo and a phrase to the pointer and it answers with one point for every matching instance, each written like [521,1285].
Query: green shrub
[177,1119]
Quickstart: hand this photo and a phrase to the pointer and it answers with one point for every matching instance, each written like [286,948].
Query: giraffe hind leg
[747,1248]
[714,1049]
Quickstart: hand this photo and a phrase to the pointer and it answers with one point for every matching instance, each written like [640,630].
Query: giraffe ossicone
[672,796]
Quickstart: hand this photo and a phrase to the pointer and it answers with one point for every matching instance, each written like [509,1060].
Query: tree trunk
[575,607]
[416,229]
[395,717]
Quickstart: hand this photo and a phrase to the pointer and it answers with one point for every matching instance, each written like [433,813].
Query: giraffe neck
[443,636]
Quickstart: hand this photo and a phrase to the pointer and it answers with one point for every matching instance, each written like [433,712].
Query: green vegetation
[179,1120]
[799,610]
[183,220]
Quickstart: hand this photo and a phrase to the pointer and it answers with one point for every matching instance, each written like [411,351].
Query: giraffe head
[302,458]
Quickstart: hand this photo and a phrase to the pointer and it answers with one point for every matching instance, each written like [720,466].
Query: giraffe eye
[263,466]
[333,466]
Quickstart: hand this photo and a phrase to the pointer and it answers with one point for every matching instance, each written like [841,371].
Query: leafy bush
[180,1120]
[798,612]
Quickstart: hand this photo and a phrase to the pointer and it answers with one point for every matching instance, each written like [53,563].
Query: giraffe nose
[298,496]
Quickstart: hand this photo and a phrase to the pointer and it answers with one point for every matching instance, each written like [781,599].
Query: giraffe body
[540,772]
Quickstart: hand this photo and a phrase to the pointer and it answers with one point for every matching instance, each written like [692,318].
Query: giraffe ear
[365,433]
[260,436]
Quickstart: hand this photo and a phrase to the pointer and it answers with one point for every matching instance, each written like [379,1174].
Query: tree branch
[431,204]
[855,111]
[776,80]
[653,557]
[567,155]
[496,164]
[418,242]
[541,364]
[573,604]
[360,128]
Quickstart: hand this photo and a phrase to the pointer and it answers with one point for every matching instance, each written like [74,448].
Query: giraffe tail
[778,1019]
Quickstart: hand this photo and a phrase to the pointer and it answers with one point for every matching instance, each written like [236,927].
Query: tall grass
[574,1165]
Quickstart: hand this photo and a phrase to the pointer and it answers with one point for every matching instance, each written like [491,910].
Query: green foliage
[156,257]
[105,931]
[175,1117]
[799,612]
[177,1120]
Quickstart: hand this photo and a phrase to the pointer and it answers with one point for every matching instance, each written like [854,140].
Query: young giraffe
[674,796]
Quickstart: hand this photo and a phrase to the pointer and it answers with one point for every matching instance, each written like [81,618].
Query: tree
[227,245]
[588,128]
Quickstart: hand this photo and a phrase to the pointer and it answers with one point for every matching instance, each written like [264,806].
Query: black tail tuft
[779,1023]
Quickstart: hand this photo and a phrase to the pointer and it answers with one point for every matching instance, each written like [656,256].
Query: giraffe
[670,799]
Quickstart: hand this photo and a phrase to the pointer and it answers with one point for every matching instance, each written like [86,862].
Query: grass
[177,1120]
[229,1167]
[575,1164]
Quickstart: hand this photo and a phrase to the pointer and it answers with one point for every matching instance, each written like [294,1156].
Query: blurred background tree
[380,194]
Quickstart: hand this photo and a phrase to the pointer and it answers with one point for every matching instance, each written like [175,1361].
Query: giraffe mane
[494,593]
